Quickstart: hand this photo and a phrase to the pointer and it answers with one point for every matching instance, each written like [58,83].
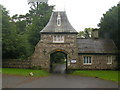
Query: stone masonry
[75,48]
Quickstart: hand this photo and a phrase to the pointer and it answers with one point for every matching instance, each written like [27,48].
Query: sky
[81,13]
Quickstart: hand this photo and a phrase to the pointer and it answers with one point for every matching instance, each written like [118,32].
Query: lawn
[0,70]
[106,75]
[24,72]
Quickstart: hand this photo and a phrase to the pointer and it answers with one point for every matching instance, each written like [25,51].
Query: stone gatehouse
[60,36]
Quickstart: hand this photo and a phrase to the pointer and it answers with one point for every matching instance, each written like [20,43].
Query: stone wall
[98,62]
[45,47]
[14,63]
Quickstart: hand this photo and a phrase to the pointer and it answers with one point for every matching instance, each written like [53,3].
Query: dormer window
[58,20]
[58,39]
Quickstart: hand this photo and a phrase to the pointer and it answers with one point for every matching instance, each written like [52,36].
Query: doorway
[58,62]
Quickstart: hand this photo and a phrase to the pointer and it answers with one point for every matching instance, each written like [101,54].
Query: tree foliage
[58,57]
[39,17]
[20,33]
[87,33]
[109,25]
[13,44]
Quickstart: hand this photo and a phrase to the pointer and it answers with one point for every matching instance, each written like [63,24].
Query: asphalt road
[56,81]
[59,68]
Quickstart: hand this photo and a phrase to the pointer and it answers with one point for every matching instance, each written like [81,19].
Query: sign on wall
[73,61]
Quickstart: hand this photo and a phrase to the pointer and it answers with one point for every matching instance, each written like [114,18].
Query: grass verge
[106,75]
[0,70]
[24,72]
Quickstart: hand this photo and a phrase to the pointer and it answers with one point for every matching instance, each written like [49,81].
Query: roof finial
[64,4]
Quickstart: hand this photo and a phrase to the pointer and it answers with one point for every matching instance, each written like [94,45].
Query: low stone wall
[15,63]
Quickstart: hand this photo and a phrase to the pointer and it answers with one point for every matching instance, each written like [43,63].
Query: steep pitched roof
[96,46]
[64,27]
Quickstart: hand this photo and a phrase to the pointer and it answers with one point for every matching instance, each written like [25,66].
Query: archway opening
[58,62]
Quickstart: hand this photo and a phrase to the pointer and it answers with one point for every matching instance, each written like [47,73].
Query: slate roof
[65,26]
[96,46]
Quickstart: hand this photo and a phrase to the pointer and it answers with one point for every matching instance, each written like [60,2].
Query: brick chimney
[95,33]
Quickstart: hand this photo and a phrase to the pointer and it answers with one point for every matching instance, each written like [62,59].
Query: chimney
[95,33]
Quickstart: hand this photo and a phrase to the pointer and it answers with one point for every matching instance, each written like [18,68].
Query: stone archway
[58,66]
[61,37]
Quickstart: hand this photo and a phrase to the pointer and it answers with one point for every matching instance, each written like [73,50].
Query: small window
[58,39]
[58,19]
[58,22]
[87,60]
[109,59]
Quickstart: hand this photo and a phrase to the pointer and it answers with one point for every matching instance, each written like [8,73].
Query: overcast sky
[81,13]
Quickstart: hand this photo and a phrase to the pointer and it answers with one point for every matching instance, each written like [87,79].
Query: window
[88,60]
[109,59]
[58,39]
[58,20]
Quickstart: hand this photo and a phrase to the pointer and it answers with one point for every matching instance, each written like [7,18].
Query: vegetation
[0,70]
[87,33]
[106,75]
[58,57]
[24,72]
[109,26]
[20,33]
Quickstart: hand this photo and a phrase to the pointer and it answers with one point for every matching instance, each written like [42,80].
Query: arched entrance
[58,62]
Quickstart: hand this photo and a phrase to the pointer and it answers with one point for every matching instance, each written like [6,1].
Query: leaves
[20,33]
[58,57]
[109,25]
[87,33]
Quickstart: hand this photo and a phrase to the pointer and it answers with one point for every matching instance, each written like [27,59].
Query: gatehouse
[81,53]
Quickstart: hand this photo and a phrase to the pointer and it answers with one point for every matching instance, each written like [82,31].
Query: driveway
[59,68]
[56,81]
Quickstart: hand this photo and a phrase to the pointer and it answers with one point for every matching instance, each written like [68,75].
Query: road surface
[56,81]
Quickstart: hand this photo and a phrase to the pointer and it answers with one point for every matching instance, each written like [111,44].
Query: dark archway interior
[58,62]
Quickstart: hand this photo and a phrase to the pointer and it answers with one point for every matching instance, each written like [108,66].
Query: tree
[109,26]
[13,44]
[7,34]
[81,34]
[86,33]
[58,57]
[38,18]
[20,33]
[20,22]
